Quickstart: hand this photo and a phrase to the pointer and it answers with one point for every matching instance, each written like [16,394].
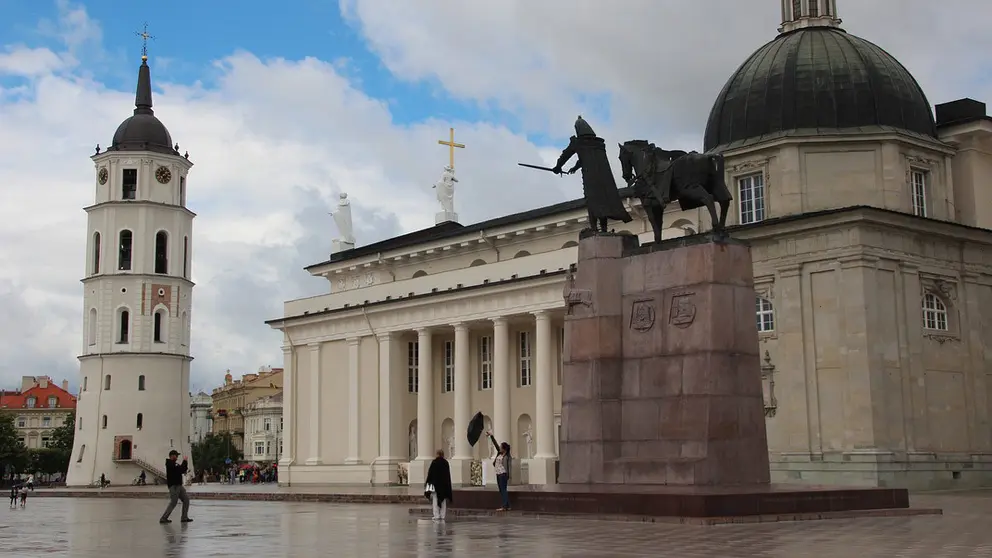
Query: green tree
[213,451]
[48,461]
[12,454]
[61,446]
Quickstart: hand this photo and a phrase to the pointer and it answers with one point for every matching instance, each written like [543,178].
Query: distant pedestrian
[13,496]
[31,483]
[439,477]
[174,479]
[24,495]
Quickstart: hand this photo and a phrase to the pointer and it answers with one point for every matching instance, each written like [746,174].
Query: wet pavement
[117,528]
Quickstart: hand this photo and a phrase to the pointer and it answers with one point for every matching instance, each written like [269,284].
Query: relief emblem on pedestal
[642,315]
[683,311]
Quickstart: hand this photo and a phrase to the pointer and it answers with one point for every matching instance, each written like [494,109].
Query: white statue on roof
[342,218]
[445,190]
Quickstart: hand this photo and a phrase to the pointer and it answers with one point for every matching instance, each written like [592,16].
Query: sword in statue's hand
[549,169]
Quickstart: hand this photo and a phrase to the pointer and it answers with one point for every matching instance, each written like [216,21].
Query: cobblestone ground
[118,528]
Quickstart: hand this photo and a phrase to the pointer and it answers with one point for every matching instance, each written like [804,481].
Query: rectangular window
[525,359]
[412,364]
[267,424]
[44,442]
[259,448]
[130,184]
[124,251]
[20,422]
[449,366]
[751,190]
[814,8]
[919,191]
[46,422]
[561,353]
[485,362]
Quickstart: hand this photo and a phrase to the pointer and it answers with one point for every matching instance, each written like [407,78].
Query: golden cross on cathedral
[144,41]
[451,147]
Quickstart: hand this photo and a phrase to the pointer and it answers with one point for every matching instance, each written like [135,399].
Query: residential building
[263,426]
[231,399]
[38,408]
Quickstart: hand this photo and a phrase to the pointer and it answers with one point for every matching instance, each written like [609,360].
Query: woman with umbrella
[439,482]
[501,465]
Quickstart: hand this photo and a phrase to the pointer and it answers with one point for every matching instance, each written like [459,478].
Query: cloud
[274,140]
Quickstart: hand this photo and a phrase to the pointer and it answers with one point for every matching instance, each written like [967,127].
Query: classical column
[354,393]
[501,379]
[544,415]
[288,406]
[425,396]
[463,392]
[314,425]
[390,402]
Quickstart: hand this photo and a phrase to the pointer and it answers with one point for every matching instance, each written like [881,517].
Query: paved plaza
[118,528]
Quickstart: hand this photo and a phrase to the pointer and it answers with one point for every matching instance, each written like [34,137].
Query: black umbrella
[475,428]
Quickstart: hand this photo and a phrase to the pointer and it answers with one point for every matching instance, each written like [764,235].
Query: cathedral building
[134,402]
[869,222]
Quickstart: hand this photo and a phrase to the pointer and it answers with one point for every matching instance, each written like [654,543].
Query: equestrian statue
[658,176]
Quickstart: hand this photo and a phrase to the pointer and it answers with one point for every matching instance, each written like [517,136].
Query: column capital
[542,314]
[385,336]
[354,340]
[460,326]
[314,346]
[499,320]
[287,349]
[424,330]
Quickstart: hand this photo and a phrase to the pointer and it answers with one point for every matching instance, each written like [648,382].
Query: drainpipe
[482,235]
[383,262]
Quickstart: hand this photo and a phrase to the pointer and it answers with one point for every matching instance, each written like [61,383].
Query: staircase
[155,471]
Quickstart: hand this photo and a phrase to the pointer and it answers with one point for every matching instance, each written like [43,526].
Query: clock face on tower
[103,175]
[163,175]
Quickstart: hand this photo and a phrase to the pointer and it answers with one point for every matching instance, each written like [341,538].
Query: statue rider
[598,185]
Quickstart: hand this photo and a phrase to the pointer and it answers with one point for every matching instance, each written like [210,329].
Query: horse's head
[632,157]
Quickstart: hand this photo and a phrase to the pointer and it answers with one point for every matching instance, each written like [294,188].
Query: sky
[282,109]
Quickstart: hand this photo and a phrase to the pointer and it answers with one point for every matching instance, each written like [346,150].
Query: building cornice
[147,276]
[117,204]
[824,137]
[134,354]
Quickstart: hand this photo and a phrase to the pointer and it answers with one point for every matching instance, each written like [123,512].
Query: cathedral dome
[143,131]
[816,79]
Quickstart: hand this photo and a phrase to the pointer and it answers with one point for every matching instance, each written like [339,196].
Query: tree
[61,446]
[48,461]
[12,454]
[212,452]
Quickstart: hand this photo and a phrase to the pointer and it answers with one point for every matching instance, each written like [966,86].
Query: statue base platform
[684,501]
[445,216]
[341,245]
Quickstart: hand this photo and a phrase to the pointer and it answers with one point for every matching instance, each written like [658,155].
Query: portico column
[314,425]
[390,401]
[354,393]
[288,407]
[545,416]
[501,379]
[425,396]
[462,392]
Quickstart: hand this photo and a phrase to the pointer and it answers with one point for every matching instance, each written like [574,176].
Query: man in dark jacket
[598,185]
[174,479]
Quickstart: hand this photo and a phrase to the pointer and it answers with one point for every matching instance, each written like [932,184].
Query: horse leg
[724,206]
[655,216]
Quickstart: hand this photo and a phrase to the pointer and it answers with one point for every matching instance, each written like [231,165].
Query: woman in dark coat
[439,476]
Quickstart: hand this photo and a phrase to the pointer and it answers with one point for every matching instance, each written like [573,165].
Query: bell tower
[133,405]
[800,14]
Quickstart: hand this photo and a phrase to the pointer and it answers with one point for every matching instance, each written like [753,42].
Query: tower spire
[800,14]
[143,96]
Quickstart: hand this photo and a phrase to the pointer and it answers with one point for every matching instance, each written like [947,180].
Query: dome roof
[143,131]
[815,80]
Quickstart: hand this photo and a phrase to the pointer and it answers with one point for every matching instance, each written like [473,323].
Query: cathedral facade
[872,249]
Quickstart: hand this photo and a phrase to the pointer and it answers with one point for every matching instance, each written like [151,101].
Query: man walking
[174,479]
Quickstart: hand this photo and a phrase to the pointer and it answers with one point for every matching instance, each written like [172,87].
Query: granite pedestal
[662,409]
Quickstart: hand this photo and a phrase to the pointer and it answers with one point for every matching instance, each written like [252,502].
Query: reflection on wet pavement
[118,528]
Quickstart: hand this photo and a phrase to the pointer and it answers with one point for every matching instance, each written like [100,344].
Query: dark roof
[962,111]
[143,131]
[451,229]
[817,78]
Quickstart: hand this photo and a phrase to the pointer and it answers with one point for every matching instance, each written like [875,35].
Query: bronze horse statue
[659,176]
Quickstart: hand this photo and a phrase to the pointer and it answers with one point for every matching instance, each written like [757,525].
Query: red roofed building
[39,407]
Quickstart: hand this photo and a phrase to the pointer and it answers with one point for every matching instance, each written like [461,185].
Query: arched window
[104,422]
[91,326]
[477,262]
[96,253]
[86,382]
[123,325]
[139,421]
[106,382]
[765,315]
[420,273]
[934,312]
[161,252]
[797,9]
[186,257]
[124,253]
[82,450]
[814,8]
[141,382]
[129,184]
[521,254]
[159,324]
[79,422]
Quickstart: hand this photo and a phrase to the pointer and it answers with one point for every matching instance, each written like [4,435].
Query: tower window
[182,190]
[123,326]
[130,184]
[814,8]
[124,255]
[86,382]
[139,421]
[186,257]
[141,382]
[797,9]
[161,252]
[158,326]
[106,382]
[96,253]
[92,327]
[104,421]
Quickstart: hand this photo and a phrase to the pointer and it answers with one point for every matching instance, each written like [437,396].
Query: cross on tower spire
[144,41]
